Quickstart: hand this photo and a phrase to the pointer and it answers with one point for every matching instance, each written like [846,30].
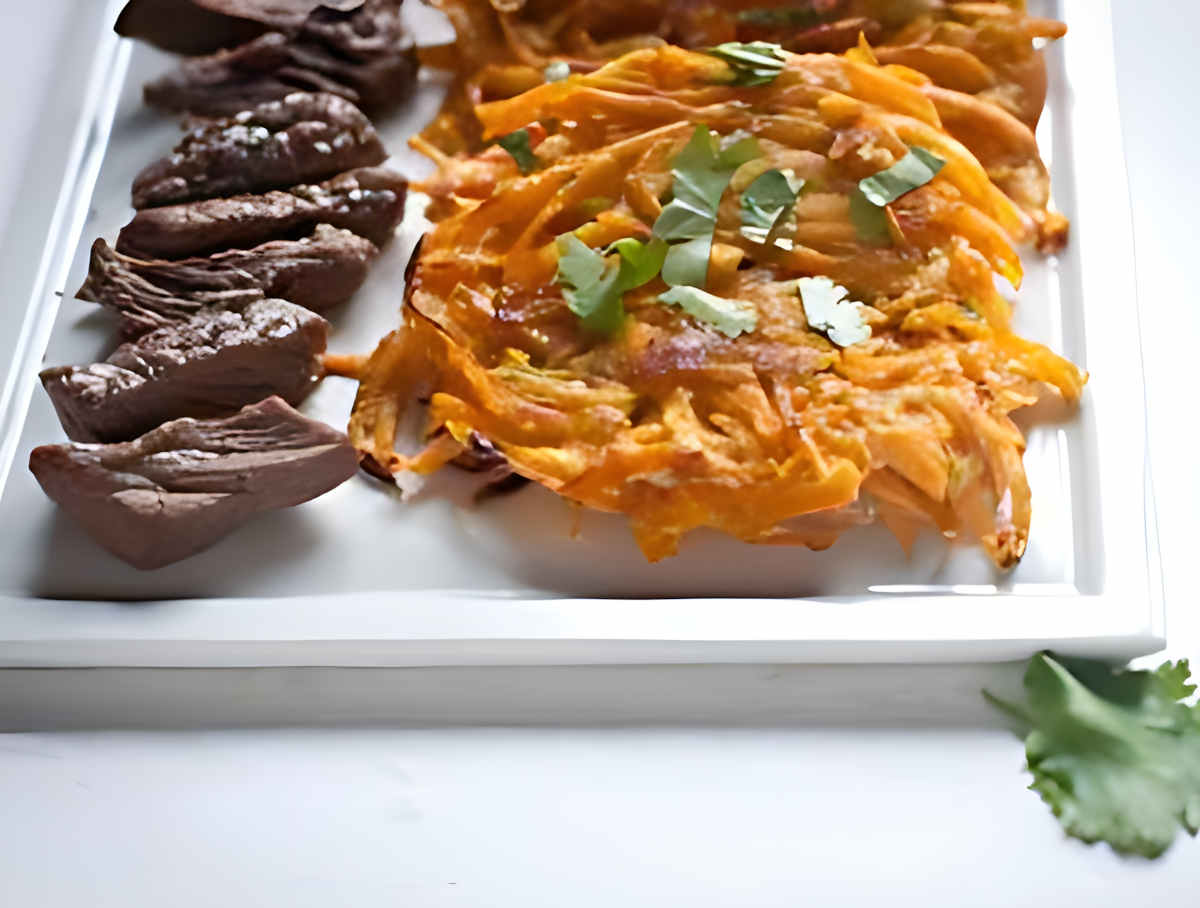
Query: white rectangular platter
[361,578]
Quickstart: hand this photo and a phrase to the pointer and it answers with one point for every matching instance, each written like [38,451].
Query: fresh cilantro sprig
[767,202]
[679,248]
[1115,754]
[640,262]
[870,221]
[701,172]
[911,172]
[753,63]
[875,192]
[516,143]
[828,311]
[594,285]
[591,285]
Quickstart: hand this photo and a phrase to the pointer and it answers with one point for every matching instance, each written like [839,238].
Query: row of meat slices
[249,230]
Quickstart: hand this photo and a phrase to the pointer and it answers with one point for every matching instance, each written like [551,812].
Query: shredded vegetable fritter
[724,292]
[979,61]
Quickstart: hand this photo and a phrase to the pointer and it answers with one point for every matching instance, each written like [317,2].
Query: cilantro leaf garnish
[1114,754]
[730,317]
[911,172]
[594,285]
[517,144]
[591,285]
[870,221]
[828,311]
[686,264]
[701,171]
[875,192]
[767,202]
[755,63]
[678,248]
[640,262]
[556,71]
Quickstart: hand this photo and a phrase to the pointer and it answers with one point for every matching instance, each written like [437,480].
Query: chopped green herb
[789,15]
[590,284]
[594,285]
[767,202]
[912,171]
[640,262]
[755,63]
[828,311]
[730,317]
[1114,754]
[701,172]
[557,71]
[870,221]
[517,144]
[686,264]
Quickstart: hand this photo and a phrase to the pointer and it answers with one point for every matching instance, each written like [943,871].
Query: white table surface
[830,802]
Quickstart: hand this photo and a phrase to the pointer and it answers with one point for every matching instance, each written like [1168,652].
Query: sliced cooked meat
[229,81]
[183,486]
[203,26]
[368,49]
[369,201]
[149,295]
[210,365]
[317,272]
[302,138]
[363,54]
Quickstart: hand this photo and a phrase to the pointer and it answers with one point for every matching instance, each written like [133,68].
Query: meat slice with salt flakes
[210,365]
[368,201]
[183,486]
[301,139]
[317,272]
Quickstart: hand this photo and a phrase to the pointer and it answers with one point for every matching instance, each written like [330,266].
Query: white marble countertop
[827,802]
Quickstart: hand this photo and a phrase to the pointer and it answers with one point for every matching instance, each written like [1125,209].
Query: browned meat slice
[302,138]
[363,54]
[317,272]
[368,49]
[210,365]
[149,295]
[368,201]
[229,81]
[203,26]
[183,486]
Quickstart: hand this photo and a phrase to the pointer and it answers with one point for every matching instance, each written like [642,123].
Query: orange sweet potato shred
[977,62]
[776,435]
